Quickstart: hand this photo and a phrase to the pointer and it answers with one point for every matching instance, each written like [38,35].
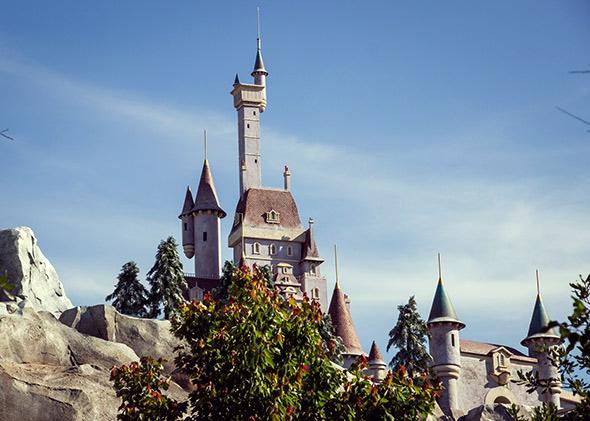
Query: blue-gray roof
[442,309]
[540,322]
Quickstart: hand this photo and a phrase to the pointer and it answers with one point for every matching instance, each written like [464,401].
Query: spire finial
[258,27]
[538,286]
[439,269]
[336,265]
[205,142]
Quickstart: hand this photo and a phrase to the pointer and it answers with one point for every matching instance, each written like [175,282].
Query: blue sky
[410,128]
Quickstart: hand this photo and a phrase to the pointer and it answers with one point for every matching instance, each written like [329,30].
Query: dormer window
[285,269]
[256,248]
[273,217]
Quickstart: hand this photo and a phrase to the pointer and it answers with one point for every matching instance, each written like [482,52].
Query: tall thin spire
[258,27]
[205,142]
[439,269]
[336,265]
[538,286]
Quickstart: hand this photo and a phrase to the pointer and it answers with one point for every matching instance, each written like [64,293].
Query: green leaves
[250,354]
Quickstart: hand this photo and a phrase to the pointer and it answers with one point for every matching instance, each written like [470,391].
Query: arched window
[501,360]
[256,248]
[272,249]
[312,269]
[315,293]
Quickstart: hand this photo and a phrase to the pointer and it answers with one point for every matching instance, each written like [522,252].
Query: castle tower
[444,327]
[249,102]
[377,367]
[201,233]
[540,339]
[267,229]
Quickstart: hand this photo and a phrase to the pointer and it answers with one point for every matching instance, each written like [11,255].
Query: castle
[267,230]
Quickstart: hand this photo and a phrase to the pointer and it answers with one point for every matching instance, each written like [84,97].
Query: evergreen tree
[166,280]
[409,338]
[130,296]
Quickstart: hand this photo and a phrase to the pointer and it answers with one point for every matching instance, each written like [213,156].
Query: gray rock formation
[49,371]
[33,276]
[147,337]
[495,412]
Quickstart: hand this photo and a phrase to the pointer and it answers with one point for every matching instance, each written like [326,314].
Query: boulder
[27,336]
[37,392]
[494,412]
[33,276]
[147,337]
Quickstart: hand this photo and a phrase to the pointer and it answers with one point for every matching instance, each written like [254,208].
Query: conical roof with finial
[538,328]
[187,207]
[342,322]
[375,356]
[442,309]
[259,64]
[206,198]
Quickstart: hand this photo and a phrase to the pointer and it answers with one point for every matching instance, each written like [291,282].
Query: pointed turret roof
[442,309]
[539,323]
[259,64]
[310,249]
[342,322]
[236,80]
[188,202]
[206,198]
[375,356]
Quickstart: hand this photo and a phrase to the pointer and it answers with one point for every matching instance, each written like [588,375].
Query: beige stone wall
[476,382]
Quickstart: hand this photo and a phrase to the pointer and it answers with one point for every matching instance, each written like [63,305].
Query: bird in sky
[3,134]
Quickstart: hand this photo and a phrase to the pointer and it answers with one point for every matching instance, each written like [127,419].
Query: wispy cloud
[389,212]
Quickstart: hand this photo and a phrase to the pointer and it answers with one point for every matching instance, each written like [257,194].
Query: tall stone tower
[539,340]
[267,229]
[201,235]
[444,327]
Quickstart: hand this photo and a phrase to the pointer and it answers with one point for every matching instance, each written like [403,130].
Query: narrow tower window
[254,112]
[452,339]
[289,251]
[315,293]
[204,235]
[248,125]
[185,226]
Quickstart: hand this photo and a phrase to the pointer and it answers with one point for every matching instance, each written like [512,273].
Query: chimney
[287,178]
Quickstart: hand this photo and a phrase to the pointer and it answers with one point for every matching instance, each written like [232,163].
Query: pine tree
[409,338]
[166,280]
[130,296]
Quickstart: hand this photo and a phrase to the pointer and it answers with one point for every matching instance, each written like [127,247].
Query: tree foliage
[166,279]
[409,338]
[130,296]
[254,355]
[140,386]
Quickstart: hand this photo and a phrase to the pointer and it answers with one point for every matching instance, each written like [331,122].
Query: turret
[377,367]
[259,73]
[188,227]
[342,321]
[539,341]
[444,327]
[207,214]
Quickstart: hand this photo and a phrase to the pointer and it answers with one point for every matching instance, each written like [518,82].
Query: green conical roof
[442,309]
[540,322]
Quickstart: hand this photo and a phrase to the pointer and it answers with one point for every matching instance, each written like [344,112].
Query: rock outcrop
[33,276]
[147,337]
[495,412]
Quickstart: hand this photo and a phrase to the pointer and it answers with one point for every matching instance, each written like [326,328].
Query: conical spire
[206,198]
[538,328]
[258,64]
[342,322]
[375,356]
[236,80]
[187,207]
[442,309]
[310,249]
